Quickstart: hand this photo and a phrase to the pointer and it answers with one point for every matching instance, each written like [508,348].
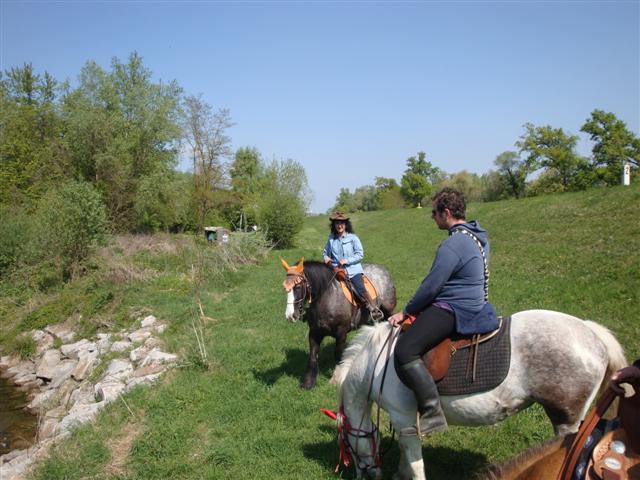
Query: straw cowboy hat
[339,217]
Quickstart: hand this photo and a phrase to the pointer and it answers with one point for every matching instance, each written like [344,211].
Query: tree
[209,146]
[388,194]
[513,172]
[246,171]
[614,145]
[552,149]
[416,181]
[344,201]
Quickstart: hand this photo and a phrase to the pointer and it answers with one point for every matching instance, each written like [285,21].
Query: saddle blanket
[493,359]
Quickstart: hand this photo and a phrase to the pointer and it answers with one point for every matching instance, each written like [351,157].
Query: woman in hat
[344,249]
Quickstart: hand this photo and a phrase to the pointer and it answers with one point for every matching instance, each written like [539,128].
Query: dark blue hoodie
[457,279]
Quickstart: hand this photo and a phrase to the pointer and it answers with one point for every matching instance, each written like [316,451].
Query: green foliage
[614,145]
[281,217]
[469,184]
[415,188]
[70,221]
[247,171]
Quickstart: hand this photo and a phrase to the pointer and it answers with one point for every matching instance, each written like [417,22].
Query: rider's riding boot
[374,312]
[415,376]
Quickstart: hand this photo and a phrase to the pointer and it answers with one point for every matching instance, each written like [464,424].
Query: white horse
[557,360]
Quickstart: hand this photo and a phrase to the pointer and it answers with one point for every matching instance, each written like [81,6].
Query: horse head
[297,288]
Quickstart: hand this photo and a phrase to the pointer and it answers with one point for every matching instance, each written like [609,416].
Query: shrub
[14,238]
[70,221]
[281,216]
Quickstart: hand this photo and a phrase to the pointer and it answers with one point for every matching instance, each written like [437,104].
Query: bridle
[293,280]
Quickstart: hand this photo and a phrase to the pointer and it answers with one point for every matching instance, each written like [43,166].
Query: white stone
[157,357]
[63,372]
[118,369]
[24,379]
[73,350]
[139,336]
[61,332]
[25,366]
[161,328]
[80,413]
[148,321]
[48,429]
[43,340]
[138,354]
[83,395]
[147,379]
[104,342]
[48,364]
[41,400]
[9,361]
[108,391]
[120,346]
[86,363]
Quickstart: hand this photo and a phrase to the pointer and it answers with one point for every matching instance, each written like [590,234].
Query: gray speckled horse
[313,289]
[557,360]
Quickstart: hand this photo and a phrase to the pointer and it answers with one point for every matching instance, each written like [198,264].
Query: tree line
[546,161]
[101,156]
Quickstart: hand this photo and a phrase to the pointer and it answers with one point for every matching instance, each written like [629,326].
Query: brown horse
[600,450]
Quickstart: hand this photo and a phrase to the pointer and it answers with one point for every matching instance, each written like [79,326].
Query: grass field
[246,417]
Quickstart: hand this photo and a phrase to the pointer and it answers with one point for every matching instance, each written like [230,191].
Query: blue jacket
[348,247]
[457,279]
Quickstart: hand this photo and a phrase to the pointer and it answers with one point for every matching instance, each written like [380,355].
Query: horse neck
[319,277]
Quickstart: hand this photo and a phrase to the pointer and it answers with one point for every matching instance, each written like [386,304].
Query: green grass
[246,417]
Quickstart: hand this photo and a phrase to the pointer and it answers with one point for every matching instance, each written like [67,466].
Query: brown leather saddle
[616,456]
[463,365]
[347,288]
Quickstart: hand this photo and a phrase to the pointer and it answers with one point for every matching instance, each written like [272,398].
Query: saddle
[347,288]
[438,359]
[616,454]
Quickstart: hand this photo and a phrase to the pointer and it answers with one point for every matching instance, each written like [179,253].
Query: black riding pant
[358,282]
[430,327]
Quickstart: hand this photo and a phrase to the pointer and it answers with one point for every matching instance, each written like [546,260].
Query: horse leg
[341,343]
[309,379]
[411,463]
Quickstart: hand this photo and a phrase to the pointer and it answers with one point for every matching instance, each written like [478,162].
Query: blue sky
[352,89]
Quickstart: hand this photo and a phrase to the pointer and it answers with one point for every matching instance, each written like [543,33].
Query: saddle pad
[367,284]
[492,366]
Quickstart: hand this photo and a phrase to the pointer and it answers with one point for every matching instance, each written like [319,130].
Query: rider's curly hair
[451,199]
[347,226]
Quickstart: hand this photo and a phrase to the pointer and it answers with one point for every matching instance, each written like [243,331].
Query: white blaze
[288,313]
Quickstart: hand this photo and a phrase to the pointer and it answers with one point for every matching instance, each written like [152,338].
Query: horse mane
[319,276]
[368,335]
[526,459]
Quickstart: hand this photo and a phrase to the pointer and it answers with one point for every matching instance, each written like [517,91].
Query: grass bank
[246,417]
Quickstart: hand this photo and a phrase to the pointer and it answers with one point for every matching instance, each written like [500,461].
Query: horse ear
[285,264]
[300,266]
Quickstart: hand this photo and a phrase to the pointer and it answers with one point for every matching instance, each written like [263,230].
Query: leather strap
[589,423]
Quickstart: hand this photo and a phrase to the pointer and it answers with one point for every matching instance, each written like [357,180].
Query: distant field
[245,417]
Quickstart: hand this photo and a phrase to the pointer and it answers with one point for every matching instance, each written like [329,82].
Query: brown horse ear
[300,266]
[285,265]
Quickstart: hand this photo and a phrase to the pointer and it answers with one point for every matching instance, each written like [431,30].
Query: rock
[73,350]
[152,343]
[48,364]
[83,395]
[41,401]
[43,340]
[138,354]
[9,361]
[48,429]
[148,321]
[160,328]
[60,331]
[139,336]
[21,368]
[63,372]
[121,346]
[80,413]
[108,391]
[86,363]
[148,370]
[104,343]
[158,357]
[118,369]
[147,379]
[24,379]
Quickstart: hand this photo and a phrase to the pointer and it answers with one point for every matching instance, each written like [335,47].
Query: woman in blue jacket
[344,249]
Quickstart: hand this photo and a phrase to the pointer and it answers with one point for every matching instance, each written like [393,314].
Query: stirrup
[376,314]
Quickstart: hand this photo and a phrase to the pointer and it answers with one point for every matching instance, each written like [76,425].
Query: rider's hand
[396,319]
[629,375]
[343,262]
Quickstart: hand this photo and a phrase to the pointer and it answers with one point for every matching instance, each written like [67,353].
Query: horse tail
[615,353]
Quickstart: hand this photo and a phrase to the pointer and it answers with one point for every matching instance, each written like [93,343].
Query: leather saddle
[348,289]
[438,359]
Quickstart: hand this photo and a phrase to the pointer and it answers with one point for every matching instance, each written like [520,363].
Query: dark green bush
[281,216]
[69,222]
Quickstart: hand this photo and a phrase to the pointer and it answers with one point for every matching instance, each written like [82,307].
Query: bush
[14,238]
[281,216]
[70,221]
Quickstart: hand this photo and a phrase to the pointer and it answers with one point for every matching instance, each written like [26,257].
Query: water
[17,427]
